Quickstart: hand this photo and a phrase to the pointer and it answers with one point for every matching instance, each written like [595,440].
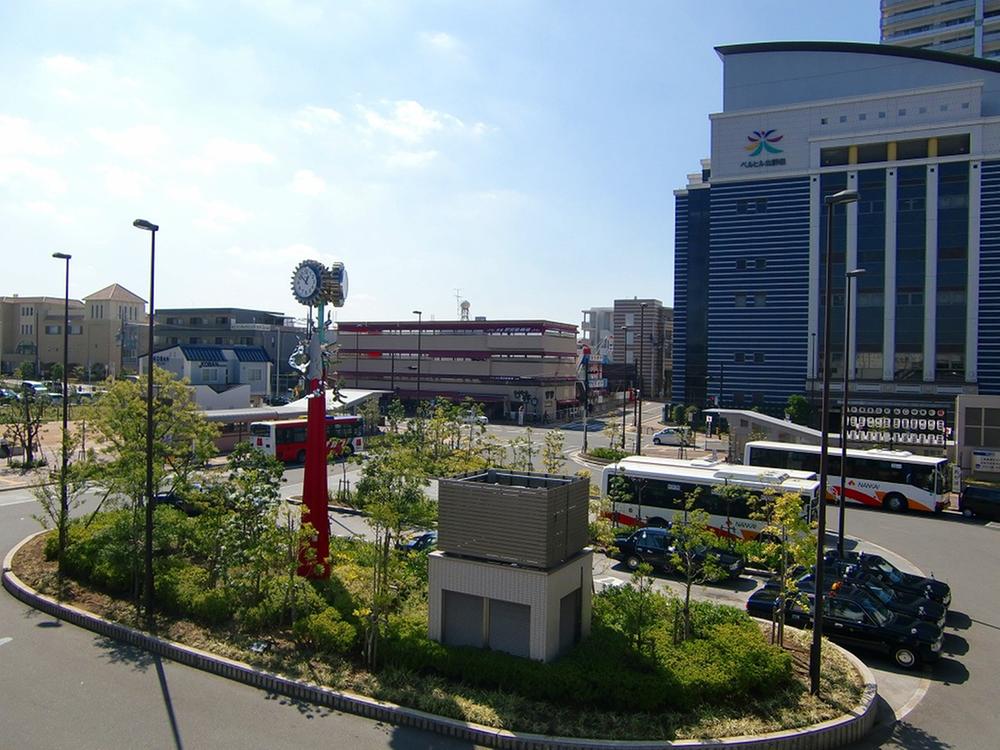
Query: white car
[668,436]
[475,419]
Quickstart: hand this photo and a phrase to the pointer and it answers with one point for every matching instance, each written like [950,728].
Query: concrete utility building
[963,27]
[105,332]
[505,364]
[224,377]
[917,134]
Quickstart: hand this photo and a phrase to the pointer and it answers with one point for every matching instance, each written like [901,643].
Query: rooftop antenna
[464,307]
[458,301]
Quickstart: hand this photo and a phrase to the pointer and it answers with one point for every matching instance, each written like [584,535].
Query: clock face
[305,282]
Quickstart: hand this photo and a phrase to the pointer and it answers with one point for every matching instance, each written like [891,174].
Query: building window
[739,358]
[194,340]
[75,330]
[758,359]
[27,311]
[953,145]
[822,121]
[253,376]
[222,321]
[218,339]
[831,157]
[871,152]
[965,105]
[923,110]
[740,300]
[751,206]
[902,112]
[53,330]
[863,116]
[741,264]
[915,149]
[843,118]
[197,321]
[173,341]
[943,107]
[761,264]
[210,375]
[881,115]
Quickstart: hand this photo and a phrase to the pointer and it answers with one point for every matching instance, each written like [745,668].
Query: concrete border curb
[829,734]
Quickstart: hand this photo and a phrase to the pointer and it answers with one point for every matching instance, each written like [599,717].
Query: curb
[829,734]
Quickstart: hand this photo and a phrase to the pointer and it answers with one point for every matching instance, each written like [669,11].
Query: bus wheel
[632,562]
[895,502]
[300,457]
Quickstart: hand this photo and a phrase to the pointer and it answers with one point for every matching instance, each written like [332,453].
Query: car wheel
[656,441]
[300,457]
[632,562]
[895,502]
[905,658]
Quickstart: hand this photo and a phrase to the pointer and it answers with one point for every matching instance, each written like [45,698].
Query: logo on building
[763,140]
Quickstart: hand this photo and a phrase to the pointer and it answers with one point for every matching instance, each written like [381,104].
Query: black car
[901,602]
[980,501]
[854,619]
[933,589]
[424,542]
[184,500]
[654,545]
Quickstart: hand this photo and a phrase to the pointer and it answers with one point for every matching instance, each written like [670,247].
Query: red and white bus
[895,480]
[285,439]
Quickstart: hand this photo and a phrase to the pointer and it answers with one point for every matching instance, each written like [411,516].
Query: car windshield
[874,608]
[890,570]
[880,593]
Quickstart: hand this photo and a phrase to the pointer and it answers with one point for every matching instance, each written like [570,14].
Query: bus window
[260,430]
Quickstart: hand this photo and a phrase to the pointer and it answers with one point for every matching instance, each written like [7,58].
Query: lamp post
[148,577]
[815,652]
[63,493]
[420,320]
[638,421]
[357,354]
[629,382]
[848,277]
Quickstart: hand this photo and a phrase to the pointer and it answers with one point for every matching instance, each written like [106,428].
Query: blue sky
[525,153]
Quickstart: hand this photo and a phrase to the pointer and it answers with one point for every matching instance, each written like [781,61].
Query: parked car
[474,419]
[903,602]
[853,618]
[423,542]
[8,396]
[669,436]
[932,588]
[185,500]
[655,546]
[980,501]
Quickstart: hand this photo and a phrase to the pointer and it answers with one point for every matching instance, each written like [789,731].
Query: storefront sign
[897,426]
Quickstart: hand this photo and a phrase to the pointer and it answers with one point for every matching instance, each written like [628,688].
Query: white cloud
[223,151]
[18,171]
[286,256]
[410,159]
[136,142]
[65,65]
[410,121]
[18,138]
[219,216]
[308,182]
[311,119]
[123,183]
[440,41]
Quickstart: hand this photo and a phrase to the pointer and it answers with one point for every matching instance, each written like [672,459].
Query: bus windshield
[260,430]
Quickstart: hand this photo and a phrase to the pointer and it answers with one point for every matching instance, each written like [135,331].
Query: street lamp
[357,354]
[638,421]
[420,319]
[815,652]
[625,389]
[63,493]
[148,579]
[848,277]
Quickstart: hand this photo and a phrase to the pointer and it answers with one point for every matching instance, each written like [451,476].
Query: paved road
[64,686]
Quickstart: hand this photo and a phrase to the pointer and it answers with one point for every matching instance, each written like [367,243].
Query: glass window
[870,152]
[915,149]
[830,157]
[951,145]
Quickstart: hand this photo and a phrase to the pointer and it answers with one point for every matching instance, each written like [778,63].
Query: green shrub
[184,589]
[326,631]
[281,604]
[608,454]
[101,553]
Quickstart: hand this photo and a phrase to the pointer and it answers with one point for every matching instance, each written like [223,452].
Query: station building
[917,134]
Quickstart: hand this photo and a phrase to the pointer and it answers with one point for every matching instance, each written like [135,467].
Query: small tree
[642,608]
[522,451]
[23,420]
[690,552]
[395,415]
[369,411]
[552,451]
[391,493]
[613,432]
[788,536]
[798,409]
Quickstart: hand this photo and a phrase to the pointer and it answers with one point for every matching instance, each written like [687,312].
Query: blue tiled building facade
[917,135]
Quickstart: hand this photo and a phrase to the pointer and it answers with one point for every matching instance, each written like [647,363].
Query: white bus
[656,490]
[895,480]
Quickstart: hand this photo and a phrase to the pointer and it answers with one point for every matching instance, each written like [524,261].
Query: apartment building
[963,27]
[642,333]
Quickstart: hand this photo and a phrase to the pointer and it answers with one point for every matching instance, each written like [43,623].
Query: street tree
[788,537]
[613,432]
[22,422]
[395,415]
[391,494]
[552,451]
[798,409]
[522,451]
[690,555]
[183,441]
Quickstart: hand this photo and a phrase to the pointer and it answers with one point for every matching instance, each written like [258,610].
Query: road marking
[915,699]
[17,502]
[5,641]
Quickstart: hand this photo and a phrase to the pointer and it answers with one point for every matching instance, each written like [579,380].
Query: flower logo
[761,141]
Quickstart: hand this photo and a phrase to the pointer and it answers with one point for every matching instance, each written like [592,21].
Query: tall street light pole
[357,355]
[148,578]
[628,382]
[848,367]
[63,493]
[815,652]
[420,330]
[638,421]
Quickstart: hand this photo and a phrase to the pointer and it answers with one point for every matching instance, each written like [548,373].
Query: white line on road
[4,641]
[17,502]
